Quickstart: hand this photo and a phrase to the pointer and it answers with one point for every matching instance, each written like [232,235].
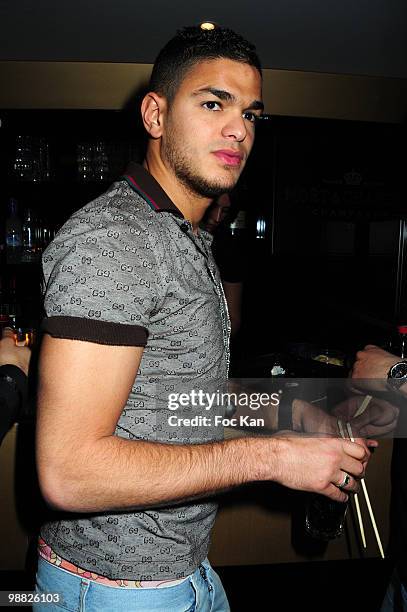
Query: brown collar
[150,190]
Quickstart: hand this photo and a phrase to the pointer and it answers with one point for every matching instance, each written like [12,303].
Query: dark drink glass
[325,518]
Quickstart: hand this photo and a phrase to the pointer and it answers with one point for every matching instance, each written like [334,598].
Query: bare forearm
[84,467]
[117,474]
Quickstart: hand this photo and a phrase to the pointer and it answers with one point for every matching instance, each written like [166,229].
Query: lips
[228,157]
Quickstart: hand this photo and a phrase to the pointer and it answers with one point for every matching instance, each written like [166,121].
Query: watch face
[399,370]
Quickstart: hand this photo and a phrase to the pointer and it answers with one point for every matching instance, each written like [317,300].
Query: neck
[191,205]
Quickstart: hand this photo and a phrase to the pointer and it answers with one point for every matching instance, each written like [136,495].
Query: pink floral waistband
[49,555]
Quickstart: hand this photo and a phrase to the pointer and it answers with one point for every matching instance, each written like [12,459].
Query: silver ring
[345,482]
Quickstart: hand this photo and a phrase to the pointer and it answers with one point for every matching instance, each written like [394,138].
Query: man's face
[209,129]
[217,212]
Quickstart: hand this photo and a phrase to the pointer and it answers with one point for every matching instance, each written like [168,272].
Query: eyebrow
[226,96]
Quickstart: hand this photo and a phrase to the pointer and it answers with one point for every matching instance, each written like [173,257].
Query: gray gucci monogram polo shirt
[127,270]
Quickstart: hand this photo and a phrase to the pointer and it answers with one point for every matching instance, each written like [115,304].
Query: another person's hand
[309,418]
[372,363]
[10,354]
[313,421]
[379,418]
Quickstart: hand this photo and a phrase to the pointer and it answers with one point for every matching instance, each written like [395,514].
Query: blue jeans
[200,592]
[395,599]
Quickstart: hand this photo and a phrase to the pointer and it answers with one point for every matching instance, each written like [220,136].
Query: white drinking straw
[364,488]
[355,496]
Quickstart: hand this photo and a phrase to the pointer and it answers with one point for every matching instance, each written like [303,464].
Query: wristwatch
[397,375]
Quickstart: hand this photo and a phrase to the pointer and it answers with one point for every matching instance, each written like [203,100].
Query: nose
[235,128]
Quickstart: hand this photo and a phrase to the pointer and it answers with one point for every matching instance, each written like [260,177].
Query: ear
[153,109]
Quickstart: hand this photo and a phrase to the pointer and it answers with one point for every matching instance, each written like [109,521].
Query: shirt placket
[226,326]
[210,264]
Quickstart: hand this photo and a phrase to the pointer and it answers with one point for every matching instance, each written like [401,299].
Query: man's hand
[319,464]
[10,354]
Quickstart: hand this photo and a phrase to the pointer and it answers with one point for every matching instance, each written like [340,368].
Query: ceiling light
[207,25]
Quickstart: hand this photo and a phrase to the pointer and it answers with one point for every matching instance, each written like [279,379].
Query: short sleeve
[102,280]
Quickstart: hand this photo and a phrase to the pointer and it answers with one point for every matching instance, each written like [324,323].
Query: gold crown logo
[352,178]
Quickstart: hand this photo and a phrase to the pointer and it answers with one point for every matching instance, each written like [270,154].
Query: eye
[250,116]
[212,105]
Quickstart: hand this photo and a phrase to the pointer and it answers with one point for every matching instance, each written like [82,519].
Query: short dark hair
[192,45]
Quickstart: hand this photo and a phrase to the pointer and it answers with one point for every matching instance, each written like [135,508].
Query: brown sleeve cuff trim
[89,330]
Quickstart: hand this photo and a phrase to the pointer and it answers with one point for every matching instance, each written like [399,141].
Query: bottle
[84,158]
[43,160]
[4,320]
[14,238]
[100,162]
[402,341]
[11,306]
[46,233]
[238,225]
[29,251]
[23,162]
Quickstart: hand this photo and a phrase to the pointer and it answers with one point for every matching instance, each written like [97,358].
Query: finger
[346,482]
[373,418]
[361,441]
[336,494]
[353,467]
[343,480]
[383,403]
[354,486]
[377,430]
[382,412]
[357,449]
[383,421]
[372,444]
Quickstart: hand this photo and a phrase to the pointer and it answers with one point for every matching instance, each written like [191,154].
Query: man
[228,256]
[14,362]
[217,212]
[136,312]
[382,370]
